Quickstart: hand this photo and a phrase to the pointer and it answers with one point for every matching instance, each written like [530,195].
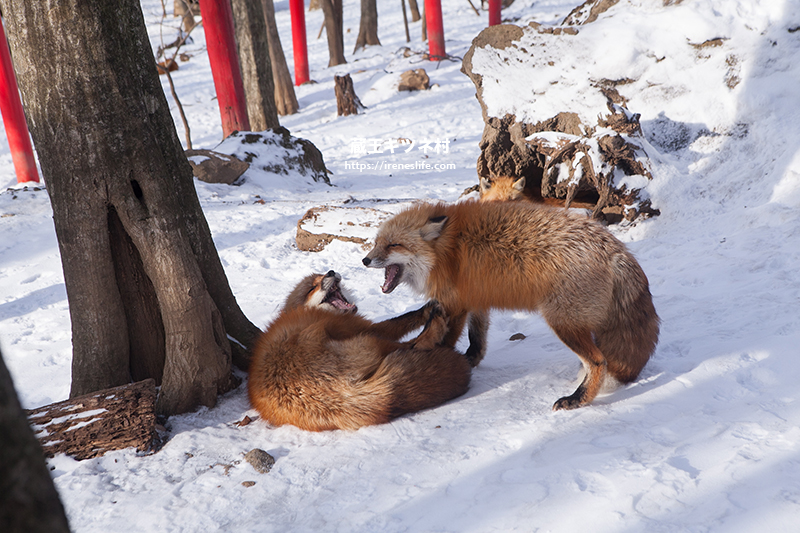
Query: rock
[278,152]
[214,167]
[517,337]
[261,460]
[248,484]
[414,80]
[321,225]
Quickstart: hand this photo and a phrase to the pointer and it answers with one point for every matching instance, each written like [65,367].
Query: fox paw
[431,310]
[567,403]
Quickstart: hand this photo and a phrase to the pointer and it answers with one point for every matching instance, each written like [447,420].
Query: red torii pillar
[299,44]
[19,141]
[494,12]
[221,43]
[435,28]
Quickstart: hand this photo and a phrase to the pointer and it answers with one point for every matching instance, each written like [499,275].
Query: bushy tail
[417,375]
[421,379]
[423,374]
[630,334]
[407,380]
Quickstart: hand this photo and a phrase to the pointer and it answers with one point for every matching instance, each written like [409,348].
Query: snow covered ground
[708,439]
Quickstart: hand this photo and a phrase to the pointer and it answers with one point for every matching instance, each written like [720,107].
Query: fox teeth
[392,278]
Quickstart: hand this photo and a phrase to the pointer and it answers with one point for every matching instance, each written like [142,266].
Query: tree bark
[334,30]
[285,99]
[412,5]
[91,425]
[119,182]
[368,28]
[186,9]
[251,40]
[29,501]
[347,103]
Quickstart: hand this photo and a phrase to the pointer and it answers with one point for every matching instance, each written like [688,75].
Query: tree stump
[347,103]
[582,155]
[91,425]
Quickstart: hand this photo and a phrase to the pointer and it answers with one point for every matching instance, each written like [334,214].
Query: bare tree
[29,502]
[368,28]
[285,99]
[412,5]
[145,285]
[251,40]
[334,30]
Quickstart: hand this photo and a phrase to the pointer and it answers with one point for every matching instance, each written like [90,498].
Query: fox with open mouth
[320,365]
[476,256]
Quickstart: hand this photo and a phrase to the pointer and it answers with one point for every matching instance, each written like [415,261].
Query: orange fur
[321,368]
[502,188]
[475,256]
[506,188]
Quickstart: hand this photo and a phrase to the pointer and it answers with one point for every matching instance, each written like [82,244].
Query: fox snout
[375,258]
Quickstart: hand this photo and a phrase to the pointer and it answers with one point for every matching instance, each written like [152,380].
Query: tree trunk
[29,501]
[412,5]
[285,99]
[368,28]
[424,24]
[334,30]
[186,9]
[126,214]
[251,38]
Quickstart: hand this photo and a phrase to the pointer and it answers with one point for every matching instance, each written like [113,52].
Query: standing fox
[321,366]
[475,256]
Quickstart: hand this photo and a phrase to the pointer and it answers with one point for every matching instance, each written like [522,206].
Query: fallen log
[91,425]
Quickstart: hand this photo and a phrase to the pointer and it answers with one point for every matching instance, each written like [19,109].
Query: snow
[708,438]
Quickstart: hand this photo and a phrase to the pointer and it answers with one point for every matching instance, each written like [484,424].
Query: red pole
[221,44]
[494,12]
[433,20]
[19,141]
[299,46]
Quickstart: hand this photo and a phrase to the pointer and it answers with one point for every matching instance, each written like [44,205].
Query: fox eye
[394,245]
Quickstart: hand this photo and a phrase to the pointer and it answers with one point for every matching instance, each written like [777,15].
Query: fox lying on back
[474,256]
[321,366]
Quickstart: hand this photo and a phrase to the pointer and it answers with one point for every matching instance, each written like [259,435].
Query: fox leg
[434,332]
[594,362]
[395,328]
[478,326]
[455,325]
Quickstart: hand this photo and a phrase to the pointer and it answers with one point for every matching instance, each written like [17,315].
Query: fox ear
[485,184]
[519,185]
[433,228]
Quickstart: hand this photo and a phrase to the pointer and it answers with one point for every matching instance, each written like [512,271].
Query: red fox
[475,256]
[501,188]
[505,188]
[321,366]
